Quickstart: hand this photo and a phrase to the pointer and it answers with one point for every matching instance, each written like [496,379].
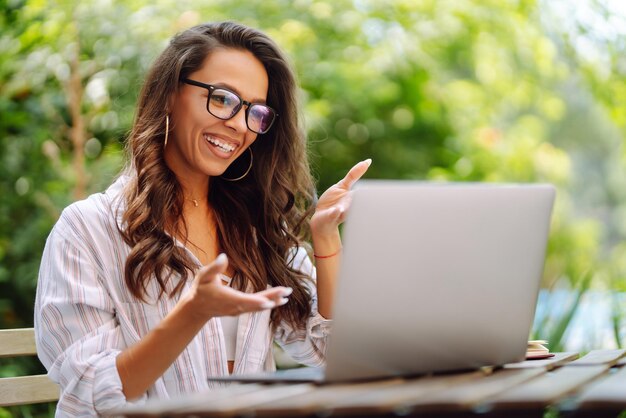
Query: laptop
[434,277]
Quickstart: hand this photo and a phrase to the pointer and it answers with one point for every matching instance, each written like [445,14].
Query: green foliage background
[466,90]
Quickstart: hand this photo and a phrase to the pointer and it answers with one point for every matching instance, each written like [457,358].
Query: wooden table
[591,386]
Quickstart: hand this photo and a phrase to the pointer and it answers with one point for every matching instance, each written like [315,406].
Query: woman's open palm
[334,203]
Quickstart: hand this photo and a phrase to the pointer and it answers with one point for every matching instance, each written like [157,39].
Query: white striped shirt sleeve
[306,345]
[77,335]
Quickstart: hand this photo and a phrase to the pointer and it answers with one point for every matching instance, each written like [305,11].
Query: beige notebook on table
[537,349]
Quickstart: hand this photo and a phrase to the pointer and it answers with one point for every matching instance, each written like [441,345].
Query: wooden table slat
[240,405]
[363,398]
[547,389]
[394,398]
[558,360]
[607,393]
[470,394]
[318,400]
[595,357]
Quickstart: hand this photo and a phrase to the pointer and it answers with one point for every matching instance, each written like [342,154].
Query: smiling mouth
[222,145]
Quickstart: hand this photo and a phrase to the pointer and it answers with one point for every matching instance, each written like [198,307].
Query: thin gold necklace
[195,201]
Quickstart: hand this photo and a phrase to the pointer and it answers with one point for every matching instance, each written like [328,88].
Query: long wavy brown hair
[260,219]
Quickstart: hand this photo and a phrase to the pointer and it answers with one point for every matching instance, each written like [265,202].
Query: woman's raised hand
[211,298]
[333,204]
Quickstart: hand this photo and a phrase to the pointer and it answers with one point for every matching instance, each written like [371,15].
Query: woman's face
[199,143]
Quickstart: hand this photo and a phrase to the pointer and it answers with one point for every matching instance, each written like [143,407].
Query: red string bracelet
[328,256]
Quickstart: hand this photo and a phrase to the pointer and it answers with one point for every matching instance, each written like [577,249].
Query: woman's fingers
[266,299]
[274,292]
[251,302]
[355,173]
[212,272]
[277,294]
[236,302]
[229,301]
[340,215]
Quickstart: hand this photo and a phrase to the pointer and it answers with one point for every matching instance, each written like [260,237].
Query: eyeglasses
[225,104]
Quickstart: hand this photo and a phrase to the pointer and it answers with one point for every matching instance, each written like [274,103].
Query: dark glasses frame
[211,88]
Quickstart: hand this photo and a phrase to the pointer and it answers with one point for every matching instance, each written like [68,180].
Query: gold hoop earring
[244,174]
[167,128]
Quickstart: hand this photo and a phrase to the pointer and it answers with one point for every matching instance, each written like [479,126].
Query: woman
[182,269]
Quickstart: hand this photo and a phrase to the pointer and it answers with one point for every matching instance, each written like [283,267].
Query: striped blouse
[85,316]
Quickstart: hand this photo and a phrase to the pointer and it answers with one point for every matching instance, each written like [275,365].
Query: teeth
[220,144]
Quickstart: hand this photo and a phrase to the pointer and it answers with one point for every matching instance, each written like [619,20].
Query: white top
[85,316]
[229,327]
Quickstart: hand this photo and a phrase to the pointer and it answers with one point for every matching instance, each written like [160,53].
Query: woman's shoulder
[94,213]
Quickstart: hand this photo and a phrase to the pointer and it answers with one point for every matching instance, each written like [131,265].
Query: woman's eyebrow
[236,90]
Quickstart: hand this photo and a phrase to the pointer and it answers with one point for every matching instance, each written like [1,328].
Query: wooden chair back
[23,390]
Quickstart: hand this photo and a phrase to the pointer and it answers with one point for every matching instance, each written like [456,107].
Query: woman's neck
[196,193]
